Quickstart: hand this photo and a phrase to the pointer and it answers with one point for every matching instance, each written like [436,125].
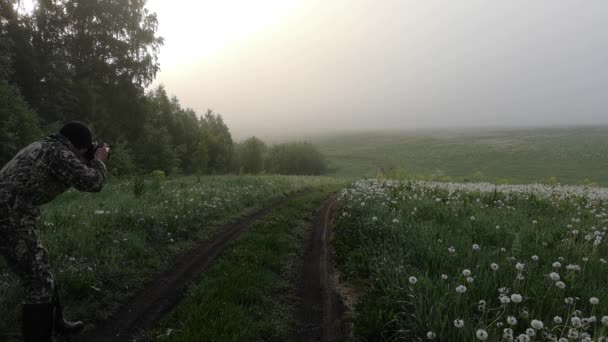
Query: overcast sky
[296,67]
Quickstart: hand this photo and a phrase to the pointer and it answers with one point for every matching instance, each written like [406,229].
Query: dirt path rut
[321,307]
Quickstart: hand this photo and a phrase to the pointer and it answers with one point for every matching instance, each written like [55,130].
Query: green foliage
[295,158]
[138,186]
[121,162]
[249,156]
[18,124]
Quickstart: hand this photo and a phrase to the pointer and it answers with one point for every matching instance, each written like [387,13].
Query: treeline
[91,60]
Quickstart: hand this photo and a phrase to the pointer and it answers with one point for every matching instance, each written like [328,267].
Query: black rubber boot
[37,322]
[62,326]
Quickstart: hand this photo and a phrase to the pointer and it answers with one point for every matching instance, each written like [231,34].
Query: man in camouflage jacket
[35,176]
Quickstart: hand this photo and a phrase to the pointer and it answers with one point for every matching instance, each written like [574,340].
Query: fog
[275,68]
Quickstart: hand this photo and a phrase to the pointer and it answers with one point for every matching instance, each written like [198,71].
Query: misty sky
[297,67]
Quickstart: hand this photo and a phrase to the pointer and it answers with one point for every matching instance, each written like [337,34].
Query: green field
[572,155]
[429,260]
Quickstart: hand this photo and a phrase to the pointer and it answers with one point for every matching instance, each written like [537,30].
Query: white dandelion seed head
[476,247]
[444,276]
[494,266]
[557,320]
[560,285]
[516,298]
[458,323]
[557,264]
[605,320]
[519,266]
[430,335]
[554,276]
[413,280]
[536,324]
[594,300]
[530,332]
[504,299]
[523,338]
[470,280]
[535,258]
[482,334]
[466,272]
[461,289]
[511,320]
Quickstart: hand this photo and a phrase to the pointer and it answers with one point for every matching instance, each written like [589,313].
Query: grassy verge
[104,246]
[464,264]
[249,293]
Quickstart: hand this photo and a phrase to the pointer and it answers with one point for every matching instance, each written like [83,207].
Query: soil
[321,308]
[164,291]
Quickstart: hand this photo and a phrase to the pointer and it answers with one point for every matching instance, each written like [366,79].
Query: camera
[90,154]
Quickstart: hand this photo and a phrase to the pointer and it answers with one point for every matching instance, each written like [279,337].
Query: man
[35,176]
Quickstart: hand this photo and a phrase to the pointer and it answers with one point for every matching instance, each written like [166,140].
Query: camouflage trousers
[26,257]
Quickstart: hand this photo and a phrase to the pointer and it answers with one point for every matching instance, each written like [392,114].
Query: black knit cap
[79,134]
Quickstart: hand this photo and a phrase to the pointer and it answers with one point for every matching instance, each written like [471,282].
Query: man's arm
[67,168]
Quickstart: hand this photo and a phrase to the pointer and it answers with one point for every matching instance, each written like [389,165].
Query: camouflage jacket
[42,171]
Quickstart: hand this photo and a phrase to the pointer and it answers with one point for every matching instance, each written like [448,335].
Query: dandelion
[444,276]
[534,222]
[511,320]
[374,219]
[482,334]
[461,289]
[557,320]
[494,266]
[568,300]
[557,264]
[535,258]
[503,249]
[594,301]
[466,272]
[430,335]
[530,332]
[519,266]
[516,298]
[536,324]
[395,221]
[470,280]
[476,247]
[472,218]
[413,280]
[452,249]
[605,320]
[504,299]
[523,338]
[99,212]
[560,285]
[458,323]
[554,276]
[585,259]
[576,322]
[572,333]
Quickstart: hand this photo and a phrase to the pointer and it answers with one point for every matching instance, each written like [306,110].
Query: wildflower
[605,320]
[557,264]
[576,322]
[470,280]
[494,266]
[374,219]
[395,221]
[516,298]
[536,324]
[594,301]
[472,218]
[557,320]
[452,249]
[444,276]
[554,276]
[534,222]
[507,333]
[466,272]
[461,289]
[519,266]
[413,280]
[504,299]
[511,320]
[572,333]
[503,249]
[458,323]
[585,259]
[560,285]
[99,212]
[530,332]
[535,258]
[523,338]
[476,247]
[482,334]
[430,335]
[569,300]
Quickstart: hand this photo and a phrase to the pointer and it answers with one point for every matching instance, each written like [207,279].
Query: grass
[388,232]
[104,246]
[249,294]
[571,155]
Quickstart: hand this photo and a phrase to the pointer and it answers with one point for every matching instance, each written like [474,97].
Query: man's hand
[102,153]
